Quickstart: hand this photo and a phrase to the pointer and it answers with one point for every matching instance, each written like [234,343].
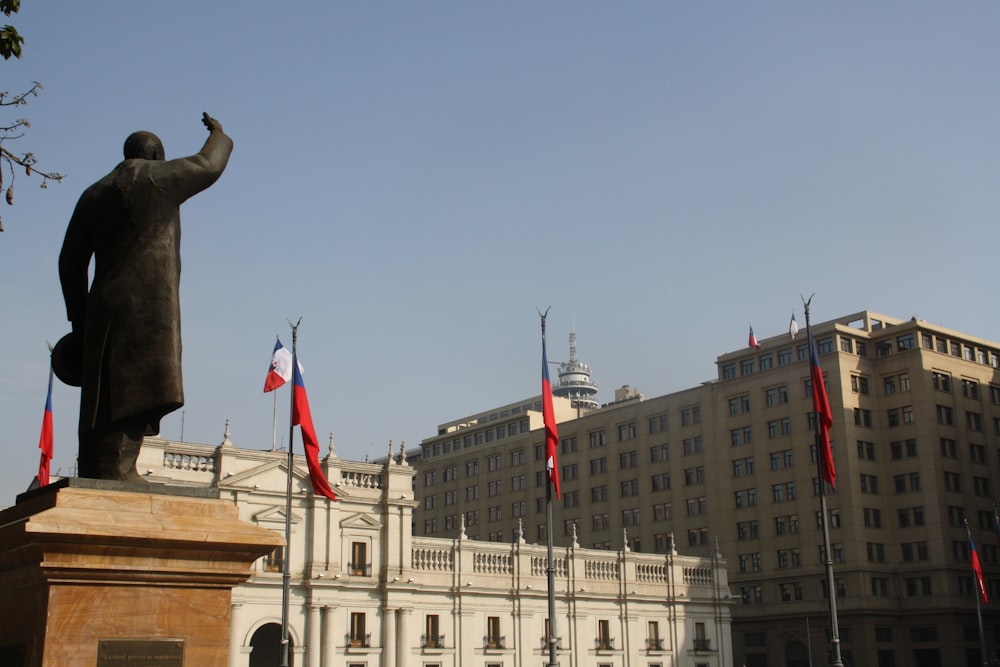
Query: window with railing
[653,640]
[547,638]
[359,565]
[432,637]
[275,561]
[357,636]
[604,640]
[493,638]
[701,640]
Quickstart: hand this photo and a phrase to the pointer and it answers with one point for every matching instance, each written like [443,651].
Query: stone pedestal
[88,563]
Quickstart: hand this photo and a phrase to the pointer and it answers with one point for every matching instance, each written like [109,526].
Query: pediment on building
[363,521]
[274,515]
[271,477]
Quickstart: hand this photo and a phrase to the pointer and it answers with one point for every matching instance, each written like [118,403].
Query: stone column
[389,638]
[236,658]
[329,635]
[313,636]
[403,637]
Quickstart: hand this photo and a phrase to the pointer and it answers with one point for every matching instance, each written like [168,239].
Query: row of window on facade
[850,345]
[881,586]
[493,639]
[479,437]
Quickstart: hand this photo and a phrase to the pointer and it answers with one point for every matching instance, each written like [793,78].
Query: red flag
[977,569]
[280,371]
[753,340]
[549,417]
[824,416]
[45,441]
[303,418]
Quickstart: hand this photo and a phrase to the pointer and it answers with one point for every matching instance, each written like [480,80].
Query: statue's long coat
[130,317]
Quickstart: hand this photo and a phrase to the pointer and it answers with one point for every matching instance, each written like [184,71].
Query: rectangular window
[359,559]
[659,453]
[358,636]
[493,636]
[274,561]
[628,459]
[661,482]
[653,640]
[701,641]
[626,431]
[604,641]
[432,634]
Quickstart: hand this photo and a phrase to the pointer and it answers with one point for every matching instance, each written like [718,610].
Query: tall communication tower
[575,382]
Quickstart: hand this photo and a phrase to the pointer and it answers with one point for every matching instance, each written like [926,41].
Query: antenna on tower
[575,381]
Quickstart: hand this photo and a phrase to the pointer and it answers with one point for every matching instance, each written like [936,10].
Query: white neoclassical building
[365,592]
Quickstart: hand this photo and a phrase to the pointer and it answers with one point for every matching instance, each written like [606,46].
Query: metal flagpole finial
[543,316]
[806,302]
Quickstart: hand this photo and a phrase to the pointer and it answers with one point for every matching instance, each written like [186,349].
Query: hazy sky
[413,178]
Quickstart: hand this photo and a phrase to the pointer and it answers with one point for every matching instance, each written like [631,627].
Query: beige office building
[365,592]
[731,462]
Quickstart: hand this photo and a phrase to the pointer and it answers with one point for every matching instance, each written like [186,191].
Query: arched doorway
[796,655]
[266,643]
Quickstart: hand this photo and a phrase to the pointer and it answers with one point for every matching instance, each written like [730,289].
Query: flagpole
[979,612]
[831,588]
[274,424]
[286,577]
[550,571]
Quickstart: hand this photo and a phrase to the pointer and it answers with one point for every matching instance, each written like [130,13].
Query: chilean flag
[280,371]
[549,417]
[824,416]
[45,441]
[303,418]
[977,570]
[753,340]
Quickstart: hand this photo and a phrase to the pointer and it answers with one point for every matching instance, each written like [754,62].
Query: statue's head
[144,146]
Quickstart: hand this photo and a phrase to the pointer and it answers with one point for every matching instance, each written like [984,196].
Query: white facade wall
[468,585]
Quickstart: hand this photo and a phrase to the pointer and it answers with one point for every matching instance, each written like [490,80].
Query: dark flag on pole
[302,417]
[824,416]
[549,417]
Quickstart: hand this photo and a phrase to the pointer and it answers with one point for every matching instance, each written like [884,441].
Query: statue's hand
[210,122]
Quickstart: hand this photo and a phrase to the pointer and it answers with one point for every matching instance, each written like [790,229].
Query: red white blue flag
[977,570]
[793,327]
[549,418]
[45,441]
[824,416]
[302,417]
[280,371]
[753,340]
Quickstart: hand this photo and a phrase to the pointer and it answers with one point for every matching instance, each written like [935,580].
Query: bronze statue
[124,351]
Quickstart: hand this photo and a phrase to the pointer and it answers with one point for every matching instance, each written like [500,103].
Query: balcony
[494,642]
[358,640]
[702,644]
[359,569]
[654,644]
[431,641]
[605,643]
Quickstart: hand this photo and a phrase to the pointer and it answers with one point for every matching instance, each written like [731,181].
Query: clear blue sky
[413,178]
